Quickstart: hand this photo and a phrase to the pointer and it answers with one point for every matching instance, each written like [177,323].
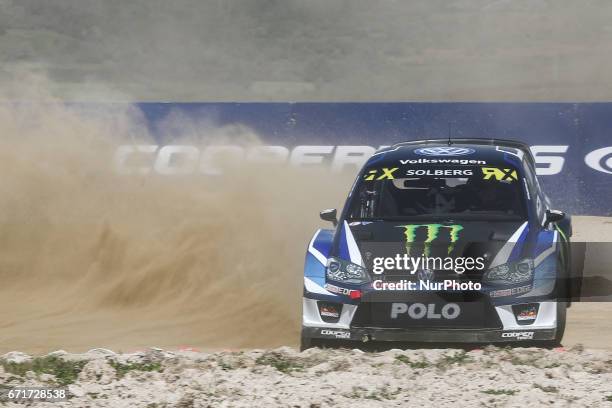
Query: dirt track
[588,322]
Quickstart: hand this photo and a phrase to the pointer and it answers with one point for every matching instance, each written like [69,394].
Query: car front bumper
[509,330]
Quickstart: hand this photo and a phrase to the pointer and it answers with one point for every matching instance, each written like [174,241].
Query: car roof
[491,150]
[469,141]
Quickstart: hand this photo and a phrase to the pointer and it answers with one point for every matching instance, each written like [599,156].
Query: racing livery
[501,263]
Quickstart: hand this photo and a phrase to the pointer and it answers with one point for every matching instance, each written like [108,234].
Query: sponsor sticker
[383,174]
[440,172]
[336,333]
[518,335]
[432,231]
[442,161]
[429,311]
[340,291]
[329,311]
[510,292]
[527,314]
[444,151]
[503,175]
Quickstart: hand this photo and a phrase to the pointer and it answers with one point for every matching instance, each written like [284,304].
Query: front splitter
[430,335]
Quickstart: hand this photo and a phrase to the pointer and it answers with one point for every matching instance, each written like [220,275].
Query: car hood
[496,242]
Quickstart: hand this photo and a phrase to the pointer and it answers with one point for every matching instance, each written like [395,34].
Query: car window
[534,190]
[440,196]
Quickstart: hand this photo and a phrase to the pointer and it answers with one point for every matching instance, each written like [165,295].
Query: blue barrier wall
[584,128]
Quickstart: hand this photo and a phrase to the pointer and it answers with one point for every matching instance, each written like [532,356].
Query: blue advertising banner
[571,141]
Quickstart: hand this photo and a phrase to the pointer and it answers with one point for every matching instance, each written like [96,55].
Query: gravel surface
[285,377]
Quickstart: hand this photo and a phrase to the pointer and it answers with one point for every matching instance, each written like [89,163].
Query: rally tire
[561,320]
[308,342]
[577,256]
[305,342]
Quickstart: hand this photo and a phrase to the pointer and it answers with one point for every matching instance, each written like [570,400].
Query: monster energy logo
[433,230]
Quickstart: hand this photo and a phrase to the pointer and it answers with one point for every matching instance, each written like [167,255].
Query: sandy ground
[282,377]
[588,322]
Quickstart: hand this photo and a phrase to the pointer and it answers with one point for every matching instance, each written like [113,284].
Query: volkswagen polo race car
[451,242]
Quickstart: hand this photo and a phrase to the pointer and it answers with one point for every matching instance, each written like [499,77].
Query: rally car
[446,201]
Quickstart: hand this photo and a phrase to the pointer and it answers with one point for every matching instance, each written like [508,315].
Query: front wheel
[561,319]
[308,342]
[305,342]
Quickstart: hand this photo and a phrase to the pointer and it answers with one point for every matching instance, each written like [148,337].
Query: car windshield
[480,194]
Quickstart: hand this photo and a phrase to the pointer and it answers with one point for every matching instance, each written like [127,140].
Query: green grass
[546,388]
[608,398]
[378,395]
[457,358]
[225,366]
[499,392]
[412,364]
[282,363]
[123,369]
[65,371]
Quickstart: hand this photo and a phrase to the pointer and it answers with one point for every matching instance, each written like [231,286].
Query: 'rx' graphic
[499,174]
[387,174]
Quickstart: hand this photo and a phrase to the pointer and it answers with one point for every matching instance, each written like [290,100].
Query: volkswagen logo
[425,274]
[444,151]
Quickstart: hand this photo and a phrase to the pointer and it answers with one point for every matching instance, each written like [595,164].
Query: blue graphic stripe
[343,250]
[323,242]
[313,268]
[515,255]
[545,240]
[319,280]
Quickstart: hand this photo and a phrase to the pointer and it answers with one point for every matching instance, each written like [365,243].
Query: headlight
[510,273]
[340,270]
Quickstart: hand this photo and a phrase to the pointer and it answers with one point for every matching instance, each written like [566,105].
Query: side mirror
[329,215]
[554,216]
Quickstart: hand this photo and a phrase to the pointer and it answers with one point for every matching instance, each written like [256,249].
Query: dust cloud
[317,50]
[91,258]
